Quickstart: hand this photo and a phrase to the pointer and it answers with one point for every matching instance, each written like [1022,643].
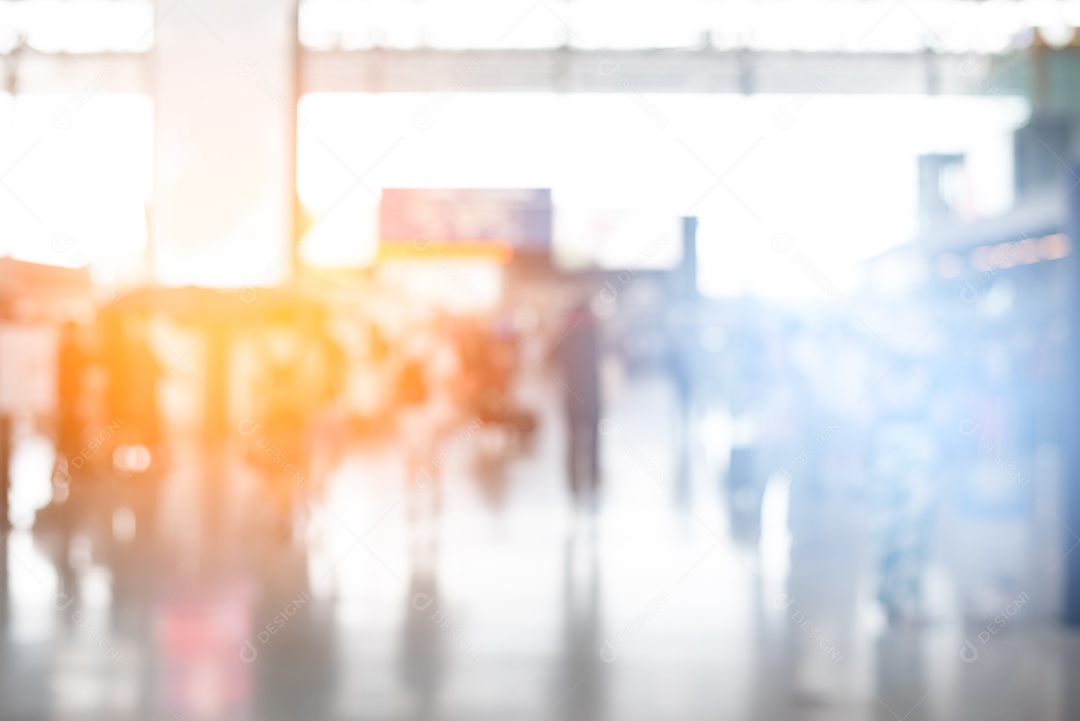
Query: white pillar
[223,78]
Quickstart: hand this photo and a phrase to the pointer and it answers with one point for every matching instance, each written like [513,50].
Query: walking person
[578,357]
[426,414]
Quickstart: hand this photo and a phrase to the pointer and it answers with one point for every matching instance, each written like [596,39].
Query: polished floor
[504,604]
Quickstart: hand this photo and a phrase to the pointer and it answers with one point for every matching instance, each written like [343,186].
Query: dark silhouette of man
[578,355]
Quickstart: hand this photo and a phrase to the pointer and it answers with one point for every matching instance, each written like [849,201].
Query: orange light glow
[495,251]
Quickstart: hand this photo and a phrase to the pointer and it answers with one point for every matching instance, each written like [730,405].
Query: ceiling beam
[660,71]
[89,73]
[555,70]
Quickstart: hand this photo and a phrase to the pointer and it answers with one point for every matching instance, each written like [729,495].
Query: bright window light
[837,179]
[76,183]
[78,26]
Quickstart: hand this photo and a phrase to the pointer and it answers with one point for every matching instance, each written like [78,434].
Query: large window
[75,180]
[77,26]
[838,176]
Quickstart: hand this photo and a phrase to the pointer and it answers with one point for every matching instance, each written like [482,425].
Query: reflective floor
[505,603]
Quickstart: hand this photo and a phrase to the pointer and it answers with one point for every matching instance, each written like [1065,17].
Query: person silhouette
[578,357]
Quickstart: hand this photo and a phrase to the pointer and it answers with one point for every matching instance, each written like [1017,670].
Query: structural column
[1071,446]
[224,91]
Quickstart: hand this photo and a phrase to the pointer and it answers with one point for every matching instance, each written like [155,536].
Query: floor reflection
[498,601]
[580,668]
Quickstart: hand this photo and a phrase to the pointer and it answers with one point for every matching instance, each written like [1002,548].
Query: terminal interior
[462,359]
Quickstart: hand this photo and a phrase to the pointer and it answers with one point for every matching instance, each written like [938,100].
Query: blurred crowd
[895,441]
